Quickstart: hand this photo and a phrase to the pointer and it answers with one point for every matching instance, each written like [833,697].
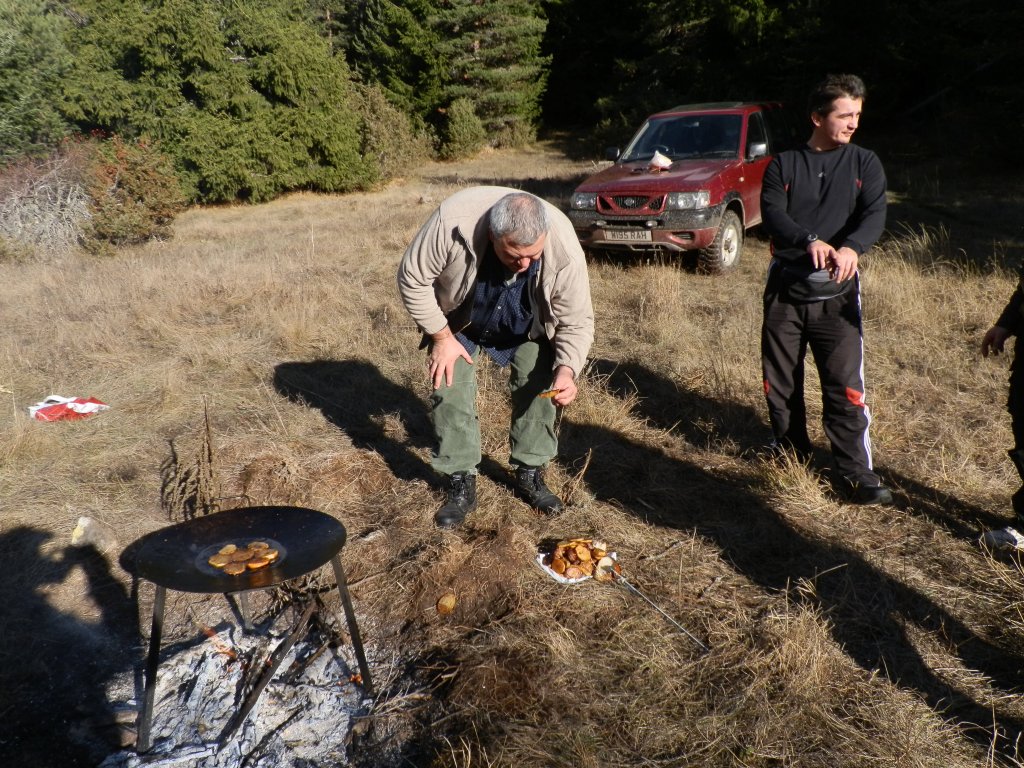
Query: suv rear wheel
[724,251]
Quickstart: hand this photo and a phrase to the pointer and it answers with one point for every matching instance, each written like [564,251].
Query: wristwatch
[810,239]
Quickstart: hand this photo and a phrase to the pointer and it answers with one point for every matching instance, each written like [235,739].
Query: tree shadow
[869,612]
[667,405]
[54,667]
[355,396]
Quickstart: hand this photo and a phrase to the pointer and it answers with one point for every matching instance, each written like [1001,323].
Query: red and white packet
[57,408]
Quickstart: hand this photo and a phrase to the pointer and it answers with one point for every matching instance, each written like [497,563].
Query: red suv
[689,180]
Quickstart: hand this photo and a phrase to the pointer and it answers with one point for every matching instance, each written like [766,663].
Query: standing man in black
[823,206]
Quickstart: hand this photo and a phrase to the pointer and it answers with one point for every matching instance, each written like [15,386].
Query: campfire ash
[303,717]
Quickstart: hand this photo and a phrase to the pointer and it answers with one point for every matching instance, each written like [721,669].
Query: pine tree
[490,51]
[32,62]
[392,46]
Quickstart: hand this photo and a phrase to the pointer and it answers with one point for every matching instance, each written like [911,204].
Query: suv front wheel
[724,251]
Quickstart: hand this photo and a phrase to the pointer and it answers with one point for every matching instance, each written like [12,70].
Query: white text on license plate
[643,235]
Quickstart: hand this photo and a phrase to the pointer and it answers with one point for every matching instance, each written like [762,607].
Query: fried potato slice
[234,568]
[219,560]
[256,563]
[228,549]
[446,603]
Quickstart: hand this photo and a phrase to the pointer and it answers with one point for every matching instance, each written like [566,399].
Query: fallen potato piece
[446,603]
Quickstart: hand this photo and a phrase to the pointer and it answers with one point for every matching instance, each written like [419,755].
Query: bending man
[502,271]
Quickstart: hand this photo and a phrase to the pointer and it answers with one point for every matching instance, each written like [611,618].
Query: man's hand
[994,339]
[841,264]
[844,264]
[445,349]
[565,383]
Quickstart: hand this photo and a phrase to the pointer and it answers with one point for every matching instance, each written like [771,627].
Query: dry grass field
[840,636]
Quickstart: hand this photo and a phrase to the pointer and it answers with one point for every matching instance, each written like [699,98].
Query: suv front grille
[630,203]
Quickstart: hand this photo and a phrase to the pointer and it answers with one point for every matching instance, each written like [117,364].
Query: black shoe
[530,485]
[871,494]
[460,492]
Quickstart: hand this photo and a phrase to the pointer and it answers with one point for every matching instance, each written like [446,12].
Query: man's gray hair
[519,217]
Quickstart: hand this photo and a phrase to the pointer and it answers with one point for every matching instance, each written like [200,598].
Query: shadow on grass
[704,421]
[868,611]
[355,396]
[54,667]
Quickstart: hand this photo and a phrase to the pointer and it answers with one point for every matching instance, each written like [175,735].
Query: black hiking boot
[871,493]
[460,495]
[530,486]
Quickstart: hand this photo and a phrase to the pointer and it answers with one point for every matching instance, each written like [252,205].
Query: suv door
[754,168]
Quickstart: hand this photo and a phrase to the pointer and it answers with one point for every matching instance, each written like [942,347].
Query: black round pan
[176,557]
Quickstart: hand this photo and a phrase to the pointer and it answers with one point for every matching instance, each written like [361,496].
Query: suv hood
[681,176]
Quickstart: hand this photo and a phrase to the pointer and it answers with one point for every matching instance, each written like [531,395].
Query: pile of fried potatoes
[581,558]
[235,560]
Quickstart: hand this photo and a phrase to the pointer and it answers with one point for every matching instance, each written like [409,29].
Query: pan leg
[353,628]
[152,662]
[243,608]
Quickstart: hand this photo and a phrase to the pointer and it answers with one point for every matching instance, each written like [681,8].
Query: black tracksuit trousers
[833,331]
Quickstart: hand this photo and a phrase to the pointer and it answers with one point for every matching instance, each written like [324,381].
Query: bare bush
[44,205]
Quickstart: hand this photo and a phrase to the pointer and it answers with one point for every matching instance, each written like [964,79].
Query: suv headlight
[584,201]
[687,201]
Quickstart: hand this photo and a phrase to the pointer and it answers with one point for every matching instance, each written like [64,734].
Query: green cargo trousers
[532,432]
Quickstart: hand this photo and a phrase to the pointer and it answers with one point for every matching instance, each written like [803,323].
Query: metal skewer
[619,578]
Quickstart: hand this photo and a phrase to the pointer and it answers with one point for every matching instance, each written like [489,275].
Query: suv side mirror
[757,149]
[611,153]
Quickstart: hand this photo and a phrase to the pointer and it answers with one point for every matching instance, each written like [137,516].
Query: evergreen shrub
[464,134]
[390,138]
[133,191]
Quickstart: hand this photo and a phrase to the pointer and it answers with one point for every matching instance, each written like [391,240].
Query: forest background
[171,102]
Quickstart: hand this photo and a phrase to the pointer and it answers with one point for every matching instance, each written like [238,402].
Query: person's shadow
[54,667]
[357,398]
[704,421]
[869,611]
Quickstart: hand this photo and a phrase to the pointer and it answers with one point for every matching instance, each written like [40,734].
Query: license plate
[643,235]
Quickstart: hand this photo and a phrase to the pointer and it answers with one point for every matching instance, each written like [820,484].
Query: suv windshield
[686,136]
